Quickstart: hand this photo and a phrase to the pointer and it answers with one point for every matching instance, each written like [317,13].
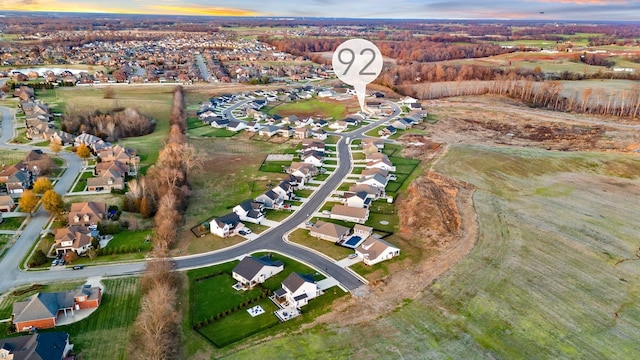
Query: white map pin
[357,62]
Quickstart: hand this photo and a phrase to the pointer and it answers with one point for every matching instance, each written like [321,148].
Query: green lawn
[274,166]
[241,324]
[304,193]
[336,252]
[278,215]
[312,107]
[134,240]
[214,295]
[12,223]
[208,131]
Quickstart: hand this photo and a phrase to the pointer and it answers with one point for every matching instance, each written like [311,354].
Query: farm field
[322,108]
[546,268]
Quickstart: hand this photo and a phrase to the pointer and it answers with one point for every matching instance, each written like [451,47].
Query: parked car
[352,256]
[54,262]
[245,231]
[78,267]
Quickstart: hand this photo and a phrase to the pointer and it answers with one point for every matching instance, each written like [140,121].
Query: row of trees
[166,185]
[547,94]
[42,189]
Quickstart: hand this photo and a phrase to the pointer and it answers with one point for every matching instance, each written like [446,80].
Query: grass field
[542,281]
[322,108]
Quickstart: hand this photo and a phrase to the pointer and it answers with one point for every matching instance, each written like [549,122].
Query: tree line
[165,190]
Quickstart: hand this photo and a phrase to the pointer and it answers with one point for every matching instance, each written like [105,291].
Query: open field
[552,228]
[321,108]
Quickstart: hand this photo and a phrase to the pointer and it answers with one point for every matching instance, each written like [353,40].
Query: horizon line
[100,13]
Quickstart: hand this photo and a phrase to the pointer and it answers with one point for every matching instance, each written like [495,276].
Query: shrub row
[221,315]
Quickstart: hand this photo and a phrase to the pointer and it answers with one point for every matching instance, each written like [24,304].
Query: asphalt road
[203,68]
[271,240]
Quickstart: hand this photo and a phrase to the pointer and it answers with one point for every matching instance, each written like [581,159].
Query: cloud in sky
[495,9]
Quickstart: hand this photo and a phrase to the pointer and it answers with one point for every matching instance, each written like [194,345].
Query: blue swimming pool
[352,242]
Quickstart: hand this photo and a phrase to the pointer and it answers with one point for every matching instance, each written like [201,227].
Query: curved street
[271,240]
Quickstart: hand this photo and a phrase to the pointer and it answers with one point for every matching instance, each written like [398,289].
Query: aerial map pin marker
[357,62]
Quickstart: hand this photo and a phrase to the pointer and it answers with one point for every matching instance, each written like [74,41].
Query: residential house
[377,143]
[236,125]
[312,144]
[351,214]
[108,181]
[61,137]
[418,116]
[313,157]
[219,123]
[375,171]
[87,139]
[415,106]
[252,271]
[407,100]
[225,225]
[297,289]
[380,161]
[251,211]
[87,213]
[269,130]
[302,132]
[36,346]
[110,168]
[286,131]
[329,231]
[376,180]
[360,199]
[284,190]
[319,134]
[326,93]
[72,238]
[253,126]
[401,124]
[374,250]
[369,148]
[270,199]
[339,125]
[320,123]
[42,310]
[119,153]
[373,192]
[387,131]
[18,181]
[362,231]
[6,203]
[303,170]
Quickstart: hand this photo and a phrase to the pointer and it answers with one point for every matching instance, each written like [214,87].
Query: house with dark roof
[42,310]
[297,289]
[252,271]
[270,199]
[225,225]
[377,180]
[388,130]
[37,346]
[251,211]
[268,130]
[285,190]
[360,199]
[313,157]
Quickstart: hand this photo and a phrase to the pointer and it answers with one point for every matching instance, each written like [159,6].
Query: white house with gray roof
[252,271]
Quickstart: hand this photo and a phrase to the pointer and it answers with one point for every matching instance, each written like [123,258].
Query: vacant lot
[321,108]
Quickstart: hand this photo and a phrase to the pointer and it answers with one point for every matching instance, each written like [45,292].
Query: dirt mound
[429,212]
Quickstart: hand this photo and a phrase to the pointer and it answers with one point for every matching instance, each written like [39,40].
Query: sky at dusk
[432,9]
